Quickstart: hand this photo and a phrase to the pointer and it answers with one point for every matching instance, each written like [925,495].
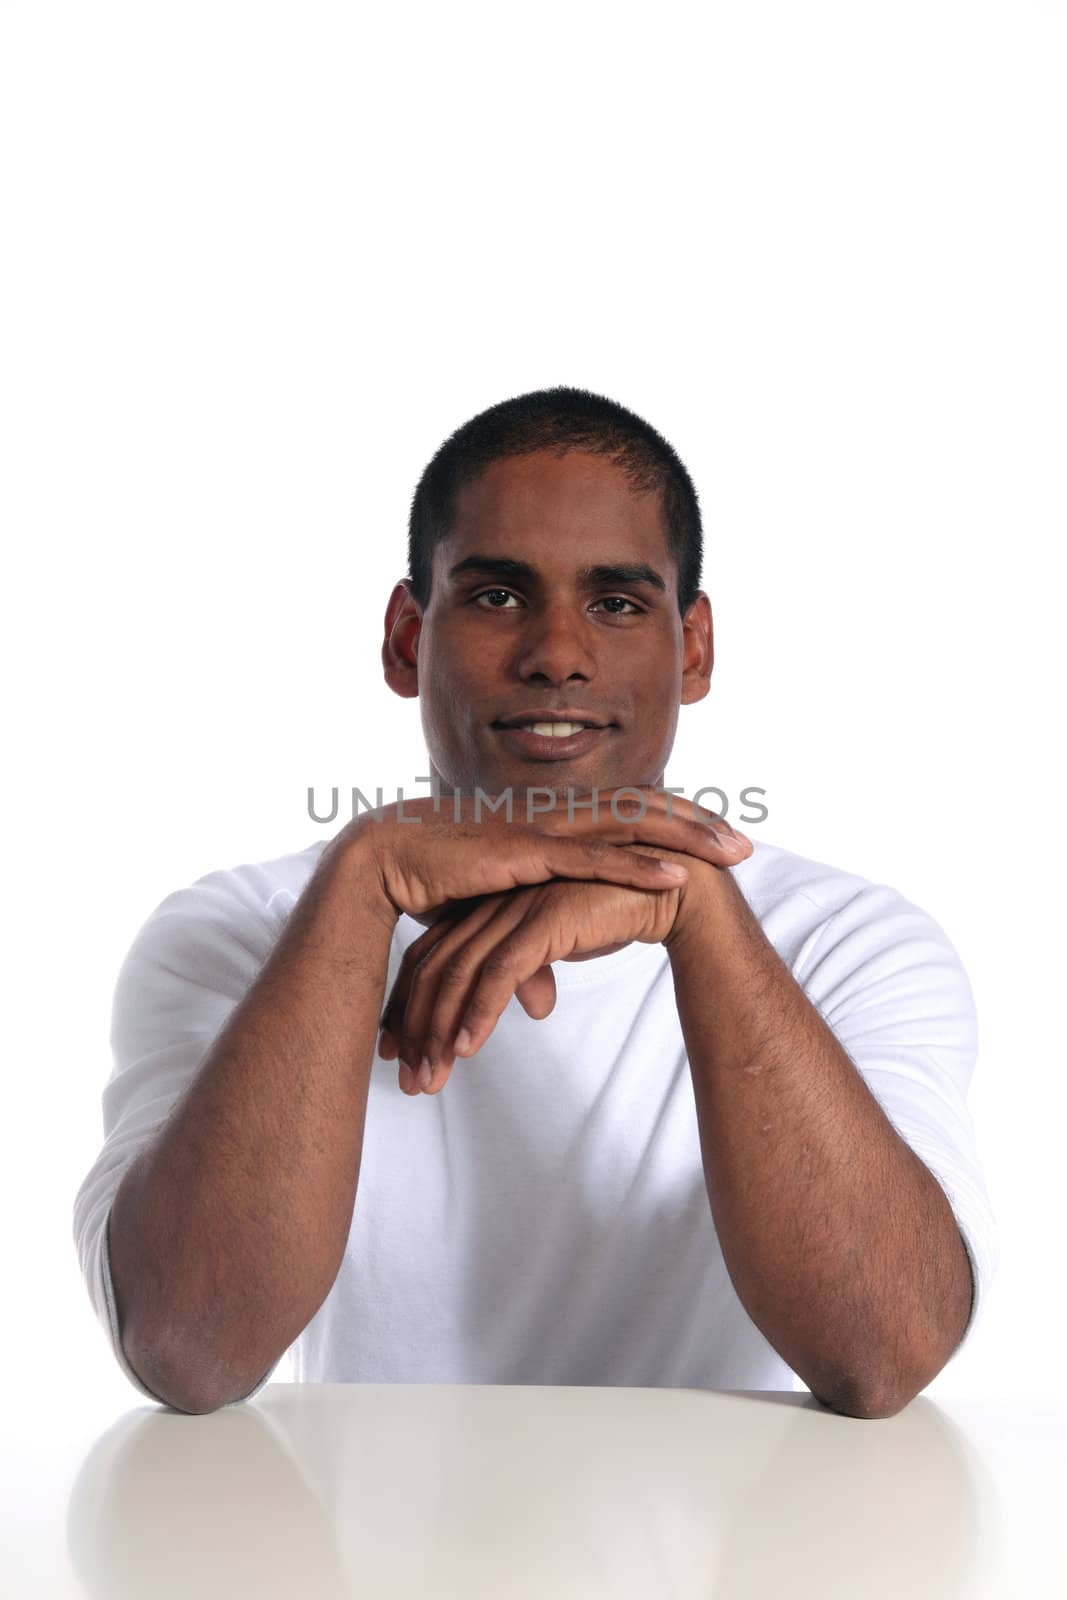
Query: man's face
[499,642]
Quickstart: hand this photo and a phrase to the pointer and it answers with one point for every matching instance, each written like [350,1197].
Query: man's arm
[840,1243]
[228,1230]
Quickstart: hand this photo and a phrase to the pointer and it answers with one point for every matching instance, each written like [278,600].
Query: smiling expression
[555,590]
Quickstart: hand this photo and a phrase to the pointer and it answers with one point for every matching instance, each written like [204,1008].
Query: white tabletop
[462,1490]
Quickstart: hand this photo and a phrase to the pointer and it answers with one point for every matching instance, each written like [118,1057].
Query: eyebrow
[617,572]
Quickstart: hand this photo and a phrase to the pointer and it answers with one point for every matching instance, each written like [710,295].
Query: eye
[618,599]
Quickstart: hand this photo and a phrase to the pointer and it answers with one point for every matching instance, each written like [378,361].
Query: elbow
[189,1399]
[888,1393]
[847,1403]
[865,1392]
[200,1403]
[849,1397]
[179,1385]
[187,1407]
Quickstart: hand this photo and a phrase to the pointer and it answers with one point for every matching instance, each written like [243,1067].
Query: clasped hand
[456,979]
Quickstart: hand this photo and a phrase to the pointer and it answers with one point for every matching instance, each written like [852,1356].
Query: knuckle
[454,975]
[434,1043]
[420,983]
[478,1010]
[416,953]
[428,971]
[500,962]
[407,966]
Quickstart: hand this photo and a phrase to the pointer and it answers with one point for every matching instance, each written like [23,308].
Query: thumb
[537,995]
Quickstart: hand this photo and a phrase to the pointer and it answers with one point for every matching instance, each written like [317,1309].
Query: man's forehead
[571,482]
[572,511]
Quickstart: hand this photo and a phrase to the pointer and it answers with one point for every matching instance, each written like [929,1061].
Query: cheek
[652,722]
[448,723]
[448,730]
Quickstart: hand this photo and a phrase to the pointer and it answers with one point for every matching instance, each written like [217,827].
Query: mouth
[551,741]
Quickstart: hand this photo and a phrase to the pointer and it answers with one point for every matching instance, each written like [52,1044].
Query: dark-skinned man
[705,1129]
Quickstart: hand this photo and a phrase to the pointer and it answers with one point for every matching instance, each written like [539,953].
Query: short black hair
[559,419]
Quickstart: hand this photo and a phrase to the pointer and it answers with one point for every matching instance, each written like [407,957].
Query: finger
[393,1011]
[400,1038]
[631,802]
[448,910]
[390,1045]
[441,984]
[537,995]
[700,831]
[599,859]
[690,828]
[533,944]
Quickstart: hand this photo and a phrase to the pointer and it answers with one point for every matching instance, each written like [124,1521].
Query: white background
[258,260]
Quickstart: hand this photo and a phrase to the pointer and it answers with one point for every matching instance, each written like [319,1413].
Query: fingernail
[673,869]
[407,1078]
[425,1073]
[463,1041]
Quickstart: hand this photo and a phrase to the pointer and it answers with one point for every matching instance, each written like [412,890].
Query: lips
[530,746]
[529,718]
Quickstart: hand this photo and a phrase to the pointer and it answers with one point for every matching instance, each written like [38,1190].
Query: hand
[424,868]
[463,972]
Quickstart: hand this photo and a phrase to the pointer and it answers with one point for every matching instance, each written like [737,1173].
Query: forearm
[839,1242]
[228,1232]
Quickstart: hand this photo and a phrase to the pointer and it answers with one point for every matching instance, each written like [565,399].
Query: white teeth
[557,730]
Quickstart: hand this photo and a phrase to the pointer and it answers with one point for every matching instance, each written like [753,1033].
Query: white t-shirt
[544,1218]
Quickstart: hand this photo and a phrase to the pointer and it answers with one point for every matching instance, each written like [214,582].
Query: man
[700,1130]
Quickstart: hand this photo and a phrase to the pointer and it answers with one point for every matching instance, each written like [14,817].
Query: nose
[555,648]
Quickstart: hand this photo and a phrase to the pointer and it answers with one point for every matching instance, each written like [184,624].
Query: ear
[400,647]
[698,647]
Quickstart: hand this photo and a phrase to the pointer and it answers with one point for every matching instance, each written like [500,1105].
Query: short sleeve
[888,981]
[190,964]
